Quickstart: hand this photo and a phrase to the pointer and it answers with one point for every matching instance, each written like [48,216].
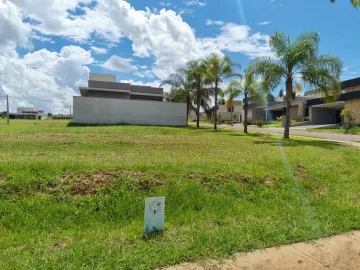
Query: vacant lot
[73,197]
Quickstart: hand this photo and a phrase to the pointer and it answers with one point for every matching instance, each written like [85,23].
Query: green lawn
[73,197]
[356,130]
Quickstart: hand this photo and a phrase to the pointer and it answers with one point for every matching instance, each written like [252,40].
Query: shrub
[307,118]
[260,123]
[349,120]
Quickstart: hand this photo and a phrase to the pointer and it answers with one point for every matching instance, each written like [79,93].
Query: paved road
[337,252]
[346,139]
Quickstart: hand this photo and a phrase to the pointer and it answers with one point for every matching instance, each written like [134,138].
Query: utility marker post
[154,215]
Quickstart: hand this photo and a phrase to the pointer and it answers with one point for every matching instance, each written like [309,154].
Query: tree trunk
[289,91]
[198,108]
[231,114]
[245,114]
[216,105]
[187,108]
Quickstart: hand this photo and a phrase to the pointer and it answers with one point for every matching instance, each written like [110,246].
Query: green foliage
[349,120]
[260,123]
[355,3]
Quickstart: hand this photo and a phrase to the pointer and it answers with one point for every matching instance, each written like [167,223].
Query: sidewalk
[337,252]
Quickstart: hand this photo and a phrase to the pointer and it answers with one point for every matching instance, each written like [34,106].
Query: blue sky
[48,47]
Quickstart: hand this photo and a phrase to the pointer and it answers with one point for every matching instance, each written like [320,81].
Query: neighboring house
[106,101]
[237,111]
[28,113]
[311,105]
[329,113]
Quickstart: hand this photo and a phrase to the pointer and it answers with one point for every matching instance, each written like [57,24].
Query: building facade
[311,106]
[107,102]
[28,113]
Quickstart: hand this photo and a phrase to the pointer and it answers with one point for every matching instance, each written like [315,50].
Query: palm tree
[201,90]
[355,3]
[216,69]
[298,60]
[180,89]
[249,87]
[232,92]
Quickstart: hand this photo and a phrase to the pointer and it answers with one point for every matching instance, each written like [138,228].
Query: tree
[249,87]
[216,69]
[298,60]
[355,3]
[180,89]
[201,91]
[232,92]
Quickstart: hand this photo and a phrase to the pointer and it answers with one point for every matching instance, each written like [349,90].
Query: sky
[48,47]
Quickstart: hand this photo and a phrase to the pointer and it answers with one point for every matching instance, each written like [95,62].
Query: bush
[260,123]
[307,118]
[349,120]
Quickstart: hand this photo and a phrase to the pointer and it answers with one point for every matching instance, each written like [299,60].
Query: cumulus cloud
[12,29]
[116,63]
[58,18]
[99,50]
[44,79]
[238,38]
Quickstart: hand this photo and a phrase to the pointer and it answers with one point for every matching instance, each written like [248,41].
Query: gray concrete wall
[146,89]
[102,111]
[140,97]
[102,77]
[109,85]
[322,116]
[257,114]
[102,94]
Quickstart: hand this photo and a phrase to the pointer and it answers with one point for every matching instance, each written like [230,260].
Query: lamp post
[7,105]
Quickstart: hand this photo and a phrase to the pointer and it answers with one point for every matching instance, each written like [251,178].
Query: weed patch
[90,183]
[300,172]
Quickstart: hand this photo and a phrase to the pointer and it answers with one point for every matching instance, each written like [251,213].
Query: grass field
[73,197]
[356,130]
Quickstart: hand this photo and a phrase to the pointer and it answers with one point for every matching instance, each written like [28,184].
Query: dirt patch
[87,184]
[241,178]
[2,178]
[301,172]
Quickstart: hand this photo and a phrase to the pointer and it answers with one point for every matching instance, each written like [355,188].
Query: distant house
[105,101]
[237,111]
[28,113]
[311,105]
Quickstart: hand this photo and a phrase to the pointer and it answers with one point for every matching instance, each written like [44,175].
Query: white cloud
[117,63]
[264,23]
[144,67]
[195,3]
[57,18]
[145,74]
[12,29]
[44,79]
[99,50]
[165,4]
[237,38]
[211,22]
